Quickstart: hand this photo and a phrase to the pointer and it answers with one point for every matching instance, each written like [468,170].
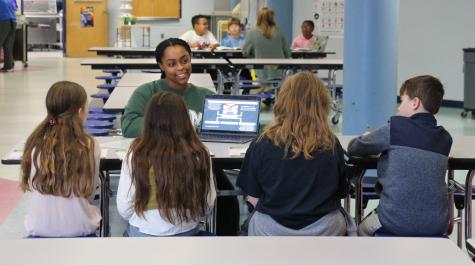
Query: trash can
[20,52]
[468,81]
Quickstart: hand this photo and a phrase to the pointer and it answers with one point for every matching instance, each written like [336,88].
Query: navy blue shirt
[7,10]
[294,192]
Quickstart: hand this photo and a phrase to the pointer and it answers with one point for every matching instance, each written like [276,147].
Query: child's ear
[416,103]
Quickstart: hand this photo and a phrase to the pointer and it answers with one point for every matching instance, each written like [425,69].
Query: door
[87,25]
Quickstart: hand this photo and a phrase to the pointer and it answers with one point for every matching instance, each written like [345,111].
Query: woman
[266,41]
[174,57]
[7,32]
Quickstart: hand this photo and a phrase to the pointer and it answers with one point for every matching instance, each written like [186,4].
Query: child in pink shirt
[306,39]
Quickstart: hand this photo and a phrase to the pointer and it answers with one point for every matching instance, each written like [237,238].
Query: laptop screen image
[233,114]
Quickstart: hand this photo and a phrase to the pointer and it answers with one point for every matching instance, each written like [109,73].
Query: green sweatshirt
[133,118]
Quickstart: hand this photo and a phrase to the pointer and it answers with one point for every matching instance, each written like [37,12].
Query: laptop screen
[224,113]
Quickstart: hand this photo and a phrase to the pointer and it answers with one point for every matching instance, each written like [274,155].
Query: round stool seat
[97,132]
[101,117]
[249,86]
[112,71]
[99,110]
[95,124]
[100,95]
[151,71]
[106,86]
[108,77]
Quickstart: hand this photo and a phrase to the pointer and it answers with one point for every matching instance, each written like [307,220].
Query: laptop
[230,118]
[320,43]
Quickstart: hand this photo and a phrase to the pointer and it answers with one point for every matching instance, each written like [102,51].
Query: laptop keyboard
[225,138]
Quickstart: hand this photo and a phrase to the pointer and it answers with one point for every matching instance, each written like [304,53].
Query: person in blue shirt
[234,38]
[7,32]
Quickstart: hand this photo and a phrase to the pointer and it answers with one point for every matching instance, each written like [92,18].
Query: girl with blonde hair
[60,167]
[294,173]
[266,40]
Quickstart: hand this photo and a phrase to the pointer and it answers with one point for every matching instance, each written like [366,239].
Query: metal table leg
[468,204]
[220,77]
[104,231]
[359,211]
[236,78]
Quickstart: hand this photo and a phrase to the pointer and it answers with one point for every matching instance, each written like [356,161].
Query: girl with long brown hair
[293,173]
[166,185]
[60,167]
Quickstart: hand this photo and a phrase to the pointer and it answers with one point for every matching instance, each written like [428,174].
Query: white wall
[431,37]
[169,28]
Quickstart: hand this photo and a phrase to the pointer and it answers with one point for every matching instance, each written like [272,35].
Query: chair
[108,78]
[113,72]
[151,71]
[103,96]
[369,190]
[247,87]
[383,234]
[97,132]
[101,117]
[99,110]
[94,124]
[459,202]
[108,87]
[205,233]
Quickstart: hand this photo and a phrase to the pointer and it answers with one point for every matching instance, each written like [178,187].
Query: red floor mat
[10,193]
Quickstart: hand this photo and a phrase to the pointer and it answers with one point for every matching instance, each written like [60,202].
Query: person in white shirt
[200,37]
[60,167]
[166,184]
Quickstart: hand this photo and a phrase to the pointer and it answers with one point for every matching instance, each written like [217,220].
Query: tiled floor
[22,95]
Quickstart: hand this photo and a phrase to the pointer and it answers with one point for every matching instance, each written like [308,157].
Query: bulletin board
[156,9]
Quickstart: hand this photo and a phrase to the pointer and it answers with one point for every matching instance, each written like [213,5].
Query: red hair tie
[53,121]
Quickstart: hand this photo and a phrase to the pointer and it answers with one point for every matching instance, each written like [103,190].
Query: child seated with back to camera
[166,183]
[413,155]
[294,172]
[60,168]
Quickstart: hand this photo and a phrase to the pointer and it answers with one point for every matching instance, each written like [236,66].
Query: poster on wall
[87,16]
[329,16]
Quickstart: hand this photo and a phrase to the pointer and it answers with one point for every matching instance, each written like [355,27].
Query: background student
[412,164]
[234,38]
[174,57]
[200,37]
[166,185]
[7,32]
[266,40]
[60,167]
[294,172]
[306,39]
